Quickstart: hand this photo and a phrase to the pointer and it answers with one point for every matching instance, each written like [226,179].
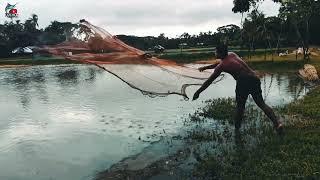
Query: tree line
[297,25]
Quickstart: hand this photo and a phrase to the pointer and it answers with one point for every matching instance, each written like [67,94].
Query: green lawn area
[294,156]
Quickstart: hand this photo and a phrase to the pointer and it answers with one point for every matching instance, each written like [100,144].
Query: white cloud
[139,17]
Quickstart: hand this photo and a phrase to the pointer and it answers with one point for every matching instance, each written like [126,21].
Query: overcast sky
[137,17]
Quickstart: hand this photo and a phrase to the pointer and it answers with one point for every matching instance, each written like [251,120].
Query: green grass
[277,66]
[294,155]
[308,106]
[218,109]
[196,54]
[188,57]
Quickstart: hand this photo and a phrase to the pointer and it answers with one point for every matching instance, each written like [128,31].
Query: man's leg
[241,99]
[258,99]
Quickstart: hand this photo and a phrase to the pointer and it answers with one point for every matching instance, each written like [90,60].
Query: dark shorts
[248,85]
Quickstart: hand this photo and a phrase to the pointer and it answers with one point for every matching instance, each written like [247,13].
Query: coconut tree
[252,27]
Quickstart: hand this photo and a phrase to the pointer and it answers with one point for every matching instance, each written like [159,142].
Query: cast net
[141,71]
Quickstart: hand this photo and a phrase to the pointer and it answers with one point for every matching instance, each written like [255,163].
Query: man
[247,83]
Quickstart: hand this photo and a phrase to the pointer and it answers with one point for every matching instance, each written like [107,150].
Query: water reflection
[289,87]
[20,81]
[68,77]
[68,122]
[39,83]
[91,75]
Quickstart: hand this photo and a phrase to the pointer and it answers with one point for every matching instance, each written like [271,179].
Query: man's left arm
[208,82]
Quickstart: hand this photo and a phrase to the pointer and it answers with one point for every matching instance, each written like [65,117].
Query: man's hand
[259,74]
[195,96]
[202,68]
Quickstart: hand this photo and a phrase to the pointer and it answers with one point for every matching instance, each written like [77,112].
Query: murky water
[70,122]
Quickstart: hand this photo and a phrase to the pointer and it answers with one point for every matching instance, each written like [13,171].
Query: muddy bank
[143,166]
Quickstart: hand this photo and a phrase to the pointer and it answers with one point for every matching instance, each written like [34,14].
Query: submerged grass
[218,109]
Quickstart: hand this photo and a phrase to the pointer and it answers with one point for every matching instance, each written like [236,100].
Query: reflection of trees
[38,76]
[270,85]
[26,80]
[279,82]
[91,76]
[295,86]
[92,72]
[68,77]
[267,88]
[21,82]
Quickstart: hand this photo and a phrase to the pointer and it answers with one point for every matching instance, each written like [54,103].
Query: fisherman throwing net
[157,77]
[248,83]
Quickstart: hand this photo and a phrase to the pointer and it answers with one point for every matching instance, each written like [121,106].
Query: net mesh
[150,75]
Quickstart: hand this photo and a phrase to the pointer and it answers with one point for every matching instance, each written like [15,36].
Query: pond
[73,121]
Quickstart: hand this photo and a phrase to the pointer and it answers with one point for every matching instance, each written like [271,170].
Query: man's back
[235,66]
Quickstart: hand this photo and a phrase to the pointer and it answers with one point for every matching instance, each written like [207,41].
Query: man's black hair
[222,51]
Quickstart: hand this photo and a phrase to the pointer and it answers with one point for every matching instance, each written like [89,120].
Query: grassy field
[195,54]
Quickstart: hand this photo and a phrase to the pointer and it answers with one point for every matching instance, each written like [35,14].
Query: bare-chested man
[247,83]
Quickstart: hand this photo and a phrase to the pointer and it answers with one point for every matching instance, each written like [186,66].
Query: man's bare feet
[279,129]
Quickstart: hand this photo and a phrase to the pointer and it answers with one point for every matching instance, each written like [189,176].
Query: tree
[162,39]
[31,33]
[57,32]
[254,30]
[299,13]
[241,6]
[230,33]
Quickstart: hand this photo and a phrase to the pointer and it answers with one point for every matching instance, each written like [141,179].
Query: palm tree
[34,19]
